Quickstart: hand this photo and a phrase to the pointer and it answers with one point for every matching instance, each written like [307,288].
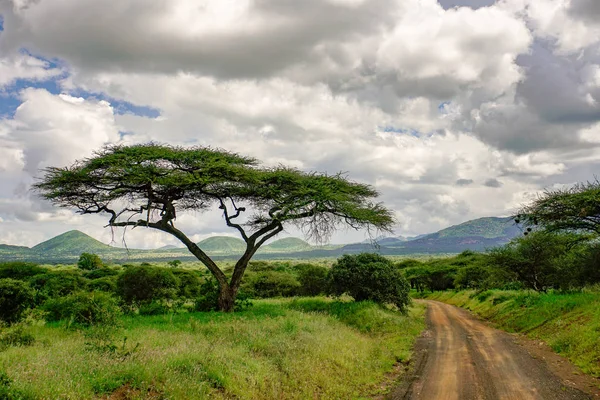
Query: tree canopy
[575,209]
[148,185]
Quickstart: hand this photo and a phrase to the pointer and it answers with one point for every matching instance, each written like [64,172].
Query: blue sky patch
[404,131]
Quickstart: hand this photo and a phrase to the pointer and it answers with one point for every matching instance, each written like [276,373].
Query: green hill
[287,245]
[489,227]
[71,242]
[222,244]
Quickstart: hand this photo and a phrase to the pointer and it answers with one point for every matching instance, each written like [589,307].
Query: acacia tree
[575,209]
[148,185]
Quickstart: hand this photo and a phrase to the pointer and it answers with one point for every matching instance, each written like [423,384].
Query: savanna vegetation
[147,331]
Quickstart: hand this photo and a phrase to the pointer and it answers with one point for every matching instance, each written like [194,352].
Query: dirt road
[461,358]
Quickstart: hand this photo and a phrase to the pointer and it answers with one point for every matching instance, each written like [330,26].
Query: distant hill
[287,245]
[73,242]
[168,247]
[222,244]
[478,235]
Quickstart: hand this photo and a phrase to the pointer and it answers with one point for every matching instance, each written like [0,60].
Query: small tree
[148,185]
[572,209]
[89,262]
[369,276]
[15,297]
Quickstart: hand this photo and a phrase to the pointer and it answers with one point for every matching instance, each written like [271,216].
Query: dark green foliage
[266,284]
[84,308]
[534,259]
[59,283]
[369,276]
[313,279]
[576,209]
[189,284]
[208,300]
[174,263]
[144,283]
[100,273]
[107,284]
[20,270]
[89,262]
[15,297]
[472,277]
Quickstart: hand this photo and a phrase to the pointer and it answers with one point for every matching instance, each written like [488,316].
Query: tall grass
[279,349]
[568,322]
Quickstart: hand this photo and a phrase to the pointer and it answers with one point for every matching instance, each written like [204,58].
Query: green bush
[145,283]
[84,308]
[107,284]
[15,297]
[189,284]
[370,276]
[267,284]
[89,262]
[101,273]
[313,279]
[59,283]
[154,308]
[20,270]
[15,336]
[472,277]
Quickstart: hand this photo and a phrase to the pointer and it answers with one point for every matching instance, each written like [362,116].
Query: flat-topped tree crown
[147,185]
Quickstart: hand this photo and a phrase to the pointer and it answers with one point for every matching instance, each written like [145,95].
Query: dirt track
[461,358]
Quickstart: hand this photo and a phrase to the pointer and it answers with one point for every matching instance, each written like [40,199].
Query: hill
[222,245]
[489,228]
[72,242]
[290,244]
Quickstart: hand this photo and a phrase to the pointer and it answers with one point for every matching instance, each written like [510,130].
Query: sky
[452,110]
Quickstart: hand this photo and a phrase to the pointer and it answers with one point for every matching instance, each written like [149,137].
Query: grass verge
[278,349]
[568,322]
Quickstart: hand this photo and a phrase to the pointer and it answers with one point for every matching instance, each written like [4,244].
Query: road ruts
[464,359]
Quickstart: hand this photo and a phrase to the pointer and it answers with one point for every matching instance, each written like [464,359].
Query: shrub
[106,284]
[154,308]
[15,335]
[312,278]
[20,270]
[15,297]
[145,283]
[84,308]
[471,277]
[59,283]
[101,273]
[89,262]
[189,284]
[266,284]
[370,276]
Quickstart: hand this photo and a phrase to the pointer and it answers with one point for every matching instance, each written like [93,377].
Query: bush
[107,284]
[20,270]
[59,283]
[154,308]
[15,297]
[472,277]
[89,262]
[16,336]
[267,284]
[145,283]
[189,284]
[312,278]
[101,273]
[84,308]
[370,276]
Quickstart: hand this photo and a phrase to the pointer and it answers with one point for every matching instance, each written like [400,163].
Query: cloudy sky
[452,109]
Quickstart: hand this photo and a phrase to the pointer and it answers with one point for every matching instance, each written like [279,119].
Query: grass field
[278,349]
[568,322]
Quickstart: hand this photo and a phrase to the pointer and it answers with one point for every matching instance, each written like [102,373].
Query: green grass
[278,349]
[567,322]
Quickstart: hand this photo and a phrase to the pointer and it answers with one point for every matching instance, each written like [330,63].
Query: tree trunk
[226,299]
